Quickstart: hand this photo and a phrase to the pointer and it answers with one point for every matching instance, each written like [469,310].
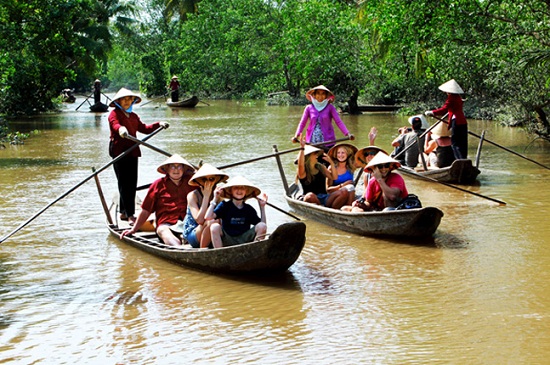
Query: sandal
[131,220]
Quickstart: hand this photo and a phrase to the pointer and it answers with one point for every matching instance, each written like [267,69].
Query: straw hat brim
[361,159]
[383,158]
[174,159]
[333,150]
[207,170]
[441,130]
[425,124]
[309,93]
[252,190]
[123,92]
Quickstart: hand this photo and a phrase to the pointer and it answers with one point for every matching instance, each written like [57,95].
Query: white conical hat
[309,94]
[425,124]
[174,159]
[361,158]
[452,87]
[207,170]
[252,190]
[122,93]
[308,149]
[382,158]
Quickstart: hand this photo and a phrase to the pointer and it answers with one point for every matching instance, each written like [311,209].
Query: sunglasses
[384,166]
[176,167]
[371,153]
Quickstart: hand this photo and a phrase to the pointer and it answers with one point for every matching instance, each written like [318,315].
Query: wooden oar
[504,148]
[168,154]
[279,153]
[122,155]
[150,101]
[421,136]
[204,102]
[85,100]
[455,187]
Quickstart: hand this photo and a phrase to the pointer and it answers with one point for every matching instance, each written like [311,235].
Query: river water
[478,292]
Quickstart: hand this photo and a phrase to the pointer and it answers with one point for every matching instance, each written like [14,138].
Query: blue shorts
[323,199]
[192,239]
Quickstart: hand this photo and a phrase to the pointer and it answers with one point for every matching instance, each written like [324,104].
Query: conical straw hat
[252,190]
[205,171]
[441,130]
[425,124]
[309,94]
[334,149]
[173,159]
[452,87]
[382,158]
[361,155]
[122,93]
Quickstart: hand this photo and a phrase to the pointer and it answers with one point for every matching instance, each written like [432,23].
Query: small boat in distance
[461,172]
[186,103]
[99,108]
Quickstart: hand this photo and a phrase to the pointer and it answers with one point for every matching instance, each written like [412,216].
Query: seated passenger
[418,123]
[344,155]
[385,189]
[239,220]
[167,198]
[313,177]
[196,229]
[439,147]
[363,157]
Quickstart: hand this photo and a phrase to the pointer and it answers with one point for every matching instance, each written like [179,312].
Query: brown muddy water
[478,292]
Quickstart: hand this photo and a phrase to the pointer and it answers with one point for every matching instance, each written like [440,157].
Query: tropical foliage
[387,50]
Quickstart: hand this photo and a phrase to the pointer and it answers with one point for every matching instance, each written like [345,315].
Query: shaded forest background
[389,51]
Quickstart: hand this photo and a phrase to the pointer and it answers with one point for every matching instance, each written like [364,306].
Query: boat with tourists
[274,253]
[403,223]
[461,172]
[185,103]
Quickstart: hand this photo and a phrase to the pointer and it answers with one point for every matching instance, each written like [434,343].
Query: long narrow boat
[186,103]
[405,223]
[460,172]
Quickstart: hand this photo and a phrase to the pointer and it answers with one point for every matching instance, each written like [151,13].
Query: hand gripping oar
[504,148]
[77,186]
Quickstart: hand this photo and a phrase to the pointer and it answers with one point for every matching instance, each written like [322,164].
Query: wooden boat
[404,223]
[274,253]
[186,103]
[99,108]
[460,172]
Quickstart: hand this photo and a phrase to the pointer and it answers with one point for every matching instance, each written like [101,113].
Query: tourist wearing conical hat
[438,146]
[363,157]
[313,176]
[320,114]
[122,122]
[457,121]
[385,189]
[240,222]
[196,228]
[174,88]
[343,154]
[167,198]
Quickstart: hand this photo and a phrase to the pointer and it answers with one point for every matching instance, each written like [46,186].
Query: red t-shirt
[167,200]
[373,193]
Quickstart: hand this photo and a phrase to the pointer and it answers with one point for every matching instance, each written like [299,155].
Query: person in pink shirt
[320,114]
[385,190]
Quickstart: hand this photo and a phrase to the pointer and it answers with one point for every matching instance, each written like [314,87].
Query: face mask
[129,110]
[319,105]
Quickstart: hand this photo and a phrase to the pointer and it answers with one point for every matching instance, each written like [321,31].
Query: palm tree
[180,7]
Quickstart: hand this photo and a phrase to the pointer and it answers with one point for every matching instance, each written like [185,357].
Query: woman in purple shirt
[320,114]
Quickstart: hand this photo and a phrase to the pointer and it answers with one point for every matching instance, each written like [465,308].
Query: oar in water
[456,187]
[85,100]
[119,157]
[504,148]
[204,102]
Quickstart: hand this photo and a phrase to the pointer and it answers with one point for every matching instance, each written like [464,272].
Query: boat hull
[275,254]
[99,108]
[187,103]
[460,172]
[405,223]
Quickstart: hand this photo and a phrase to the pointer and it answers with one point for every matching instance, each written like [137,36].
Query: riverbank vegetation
[384,51]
